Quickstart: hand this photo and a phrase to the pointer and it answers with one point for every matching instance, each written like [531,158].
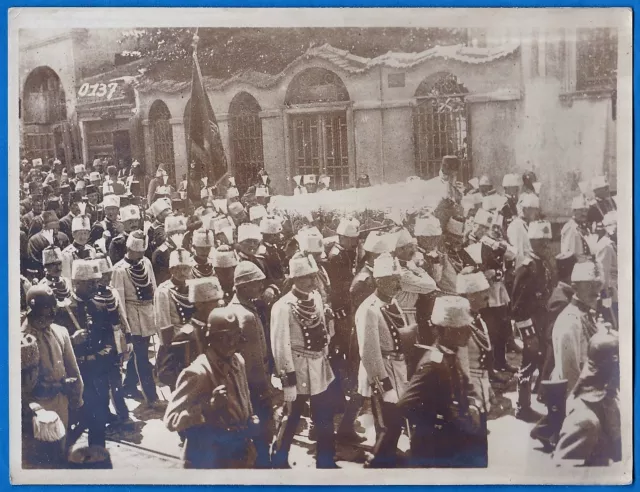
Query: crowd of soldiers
[257,318]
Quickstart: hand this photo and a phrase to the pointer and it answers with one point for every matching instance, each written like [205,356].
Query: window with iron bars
[320,146]
[596,58]
[442,126]
[246,140]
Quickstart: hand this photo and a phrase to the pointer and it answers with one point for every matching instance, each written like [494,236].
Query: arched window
[319,140]
[159,119]
[44,98]
[43,108]
[246,139]
[441,124]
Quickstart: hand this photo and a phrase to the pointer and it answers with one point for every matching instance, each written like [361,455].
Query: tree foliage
[225,51]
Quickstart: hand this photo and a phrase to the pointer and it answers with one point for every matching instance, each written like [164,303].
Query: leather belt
[397,356]
[312,354]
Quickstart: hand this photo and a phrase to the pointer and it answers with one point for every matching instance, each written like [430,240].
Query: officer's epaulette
[163,247]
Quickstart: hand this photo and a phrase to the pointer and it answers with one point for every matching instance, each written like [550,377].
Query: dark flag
[205,144]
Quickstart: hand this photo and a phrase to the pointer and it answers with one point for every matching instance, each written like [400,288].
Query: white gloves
[390,396]
[291,393]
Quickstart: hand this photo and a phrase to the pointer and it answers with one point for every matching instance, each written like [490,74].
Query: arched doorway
[441,124]
[245,136]
[44,108]
[162,134]
[319,131]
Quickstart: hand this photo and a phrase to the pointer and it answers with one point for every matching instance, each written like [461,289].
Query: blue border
[4,292]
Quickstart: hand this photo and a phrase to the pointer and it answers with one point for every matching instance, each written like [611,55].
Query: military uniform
[37,244]
[607,258]
[65,224]
[256,358]
[598,208]
[299,340]
[449,429]
[518,236]
[572,331]
[340,268]
[479,353]
[382,368]
[136,286]
[362,286]
[95,357]
[172,307]
[98,230]
[118,247]
[414,282]
[213,439]
[202,268]
[73,252]
[160,261]
[528,310]
[276,261]
[592,429]
[155,237]
[573,239]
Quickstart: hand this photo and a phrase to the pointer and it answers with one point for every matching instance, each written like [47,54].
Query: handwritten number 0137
[97,90]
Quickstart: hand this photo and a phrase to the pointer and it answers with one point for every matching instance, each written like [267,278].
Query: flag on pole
[205,144]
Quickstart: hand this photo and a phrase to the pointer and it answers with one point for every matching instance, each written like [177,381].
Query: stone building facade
[505,103]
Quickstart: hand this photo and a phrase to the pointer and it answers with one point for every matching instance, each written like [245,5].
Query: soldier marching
[260,316]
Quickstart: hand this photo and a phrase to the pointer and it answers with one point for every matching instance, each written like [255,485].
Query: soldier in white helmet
[414,281]
[79,249]
[383,368]
[58,386]
[131,220]
[135,282]
[175,227]
[171,302]
[160,209]
[202,242]
[299,339]
[575,234]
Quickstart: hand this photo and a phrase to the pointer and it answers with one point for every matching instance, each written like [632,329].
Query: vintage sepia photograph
[320,246]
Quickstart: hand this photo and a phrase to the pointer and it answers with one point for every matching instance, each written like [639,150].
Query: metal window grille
[320,146]
[246,143]
[596,58]
[162,136]
[442,127]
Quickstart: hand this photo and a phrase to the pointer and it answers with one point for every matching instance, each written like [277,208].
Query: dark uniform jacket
[598,209]
[529,294]
[214,439]
[160,261]
[98,230]
[340,267]
[438,403]
[276,261]
[254,351]
[362,286]
[118,247]
[98,351]
[65,224]
[155,237]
